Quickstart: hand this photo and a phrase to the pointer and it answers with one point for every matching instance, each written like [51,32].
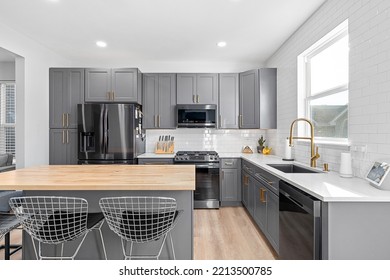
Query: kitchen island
[95,181]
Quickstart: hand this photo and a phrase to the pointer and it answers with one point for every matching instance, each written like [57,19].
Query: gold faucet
[314,150]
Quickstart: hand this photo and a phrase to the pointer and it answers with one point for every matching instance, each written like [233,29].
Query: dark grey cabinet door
[57,148]
[273,219]
[76,95]
[63,146]
[124,85]
[166,103]
[249,99]
[58,90]
[186,88]
[260,206]
[66,90]
[97,85]
[228,101]
[159,100]
[245,189]
[207,88]
[150,99]
[268,98]
[229,185]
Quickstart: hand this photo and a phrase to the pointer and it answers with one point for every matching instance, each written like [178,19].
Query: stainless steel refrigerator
[109,133]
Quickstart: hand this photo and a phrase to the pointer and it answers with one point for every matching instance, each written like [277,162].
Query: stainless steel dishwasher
[299,224]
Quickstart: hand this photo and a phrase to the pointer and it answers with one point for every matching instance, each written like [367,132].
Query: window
[7,118]
[323,76]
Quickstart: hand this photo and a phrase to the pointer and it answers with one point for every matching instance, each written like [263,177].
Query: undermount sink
[292,168]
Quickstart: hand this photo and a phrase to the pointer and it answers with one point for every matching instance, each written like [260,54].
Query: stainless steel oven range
[206,193]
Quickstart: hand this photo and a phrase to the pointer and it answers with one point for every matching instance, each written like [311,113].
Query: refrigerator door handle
[105,127]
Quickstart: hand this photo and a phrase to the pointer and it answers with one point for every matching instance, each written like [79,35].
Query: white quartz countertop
[328,186]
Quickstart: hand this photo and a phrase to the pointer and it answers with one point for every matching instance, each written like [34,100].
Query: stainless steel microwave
[197,116]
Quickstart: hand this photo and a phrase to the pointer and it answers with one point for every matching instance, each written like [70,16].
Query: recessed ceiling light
[101,44]
[221,44]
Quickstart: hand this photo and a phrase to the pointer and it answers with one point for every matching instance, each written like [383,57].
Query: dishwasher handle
[290,197]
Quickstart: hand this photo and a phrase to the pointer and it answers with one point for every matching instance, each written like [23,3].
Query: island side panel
[182,234]
[358,230]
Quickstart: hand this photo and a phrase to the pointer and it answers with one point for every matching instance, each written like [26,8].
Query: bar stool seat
[56,220]
[141,219]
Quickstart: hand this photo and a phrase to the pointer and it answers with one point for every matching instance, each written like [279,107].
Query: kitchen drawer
[230,163]
[248,167]
[155,161]
[271,181]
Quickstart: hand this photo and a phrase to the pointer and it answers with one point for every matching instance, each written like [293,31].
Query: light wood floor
[224,234]
[228,234]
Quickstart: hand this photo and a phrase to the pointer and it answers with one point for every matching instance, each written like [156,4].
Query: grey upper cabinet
[197,88]
[159,100]
[249,99]
[258,98]
[268,98]
[66,90]
[63,146]
[113,85]
[228,101]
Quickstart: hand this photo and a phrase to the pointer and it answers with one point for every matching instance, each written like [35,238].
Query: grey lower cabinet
[258,95]
[63,146]
[159,100]
[230,182]
[228,101]
[66,90]
[260,198]
[113,85]
[200,88]
[156,161]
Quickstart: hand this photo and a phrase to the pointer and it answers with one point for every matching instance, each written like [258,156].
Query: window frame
[305,95]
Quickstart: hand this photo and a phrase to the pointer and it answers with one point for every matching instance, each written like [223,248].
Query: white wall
[32,103]
[7,71]
[369,97]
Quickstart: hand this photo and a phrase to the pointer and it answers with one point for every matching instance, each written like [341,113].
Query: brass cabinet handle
[67,136]
[159,120]
[246,180]
[197,98]
[63,120]
[262,195]
[67,120]
[63,136]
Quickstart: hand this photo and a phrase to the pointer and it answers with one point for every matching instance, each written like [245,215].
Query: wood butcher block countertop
[100,177]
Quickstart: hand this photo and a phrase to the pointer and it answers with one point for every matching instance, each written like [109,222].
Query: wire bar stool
[8,222]
[56,220]
[141,219]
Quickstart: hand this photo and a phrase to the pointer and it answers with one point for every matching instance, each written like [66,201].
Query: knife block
[164,147]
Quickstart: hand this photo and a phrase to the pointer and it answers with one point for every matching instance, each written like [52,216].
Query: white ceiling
[159,31]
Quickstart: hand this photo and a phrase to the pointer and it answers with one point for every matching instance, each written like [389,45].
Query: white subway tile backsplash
[221,140]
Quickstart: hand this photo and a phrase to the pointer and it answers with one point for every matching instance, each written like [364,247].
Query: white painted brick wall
[369,95]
